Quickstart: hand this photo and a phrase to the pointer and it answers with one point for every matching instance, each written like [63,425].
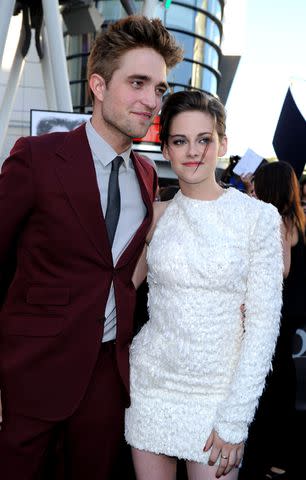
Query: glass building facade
[197,26]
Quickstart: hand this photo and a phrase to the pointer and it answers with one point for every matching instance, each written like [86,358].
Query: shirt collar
[102,150]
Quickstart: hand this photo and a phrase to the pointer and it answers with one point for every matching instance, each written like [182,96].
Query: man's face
[134,94]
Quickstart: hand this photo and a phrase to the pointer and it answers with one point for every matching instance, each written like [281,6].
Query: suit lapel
[76,172]
[77,175]
[144,177]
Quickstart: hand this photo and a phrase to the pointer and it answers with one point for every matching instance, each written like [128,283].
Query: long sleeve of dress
[263,306]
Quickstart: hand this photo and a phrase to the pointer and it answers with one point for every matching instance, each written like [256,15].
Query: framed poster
[48,121]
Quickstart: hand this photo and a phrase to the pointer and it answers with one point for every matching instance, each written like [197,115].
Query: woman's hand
[248,181]
[230,454]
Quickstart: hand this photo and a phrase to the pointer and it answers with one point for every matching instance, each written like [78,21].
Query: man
[67,318]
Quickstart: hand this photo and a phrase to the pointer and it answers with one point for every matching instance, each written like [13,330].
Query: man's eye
[137,83]
[160,91]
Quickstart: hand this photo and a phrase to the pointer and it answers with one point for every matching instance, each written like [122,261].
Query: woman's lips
[192,164]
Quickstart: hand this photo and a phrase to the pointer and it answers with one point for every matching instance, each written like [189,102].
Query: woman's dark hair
[168,192]
[187,101]
[302,184]
[277,183]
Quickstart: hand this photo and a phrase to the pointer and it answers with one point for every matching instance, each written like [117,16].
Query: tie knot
[116,163]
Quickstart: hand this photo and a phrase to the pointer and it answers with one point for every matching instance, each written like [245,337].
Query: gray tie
[113,200]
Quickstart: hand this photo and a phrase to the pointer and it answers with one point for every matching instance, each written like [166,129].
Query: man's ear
[97,85]
[223,146]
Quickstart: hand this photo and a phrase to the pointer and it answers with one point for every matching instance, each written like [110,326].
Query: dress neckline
[183,197]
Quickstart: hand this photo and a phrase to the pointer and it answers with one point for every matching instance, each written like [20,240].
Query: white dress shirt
[133,209]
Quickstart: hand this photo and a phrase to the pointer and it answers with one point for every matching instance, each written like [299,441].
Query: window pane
[186,41]
[209,82]
[181,73]
[211,56]
[212,6]
[180,17]
[111,9]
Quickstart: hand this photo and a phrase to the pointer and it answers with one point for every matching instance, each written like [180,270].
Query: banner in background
[48,121]
[289,139]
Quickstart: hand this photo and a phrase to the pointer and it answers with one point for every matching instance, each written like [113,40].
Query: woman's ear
[166,152]
[222,146]
[97,85]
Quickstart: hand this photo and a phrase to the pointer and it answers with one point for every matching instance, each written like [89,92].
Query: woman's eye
[205,140]
[178,142]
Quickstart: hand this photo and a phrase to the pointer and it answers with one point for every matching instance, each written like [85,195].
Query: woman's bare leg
[199,471]
[150,466]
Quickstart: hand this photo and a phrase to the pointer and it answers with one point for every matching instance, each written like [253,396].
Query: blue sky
[274,53]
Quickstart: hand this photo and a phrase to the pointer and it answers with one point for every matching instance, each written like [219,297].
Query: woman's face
[194,147]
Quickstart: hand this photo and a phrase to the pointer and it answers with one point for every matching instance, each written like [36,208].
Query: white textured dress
[195,365]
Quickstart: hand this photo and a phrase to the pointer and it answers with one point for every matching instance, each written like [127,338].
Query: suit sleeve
[16,202]
[263,309]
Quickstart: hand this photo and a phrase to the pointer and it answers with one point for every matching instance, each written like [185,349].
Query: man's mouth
[145,115]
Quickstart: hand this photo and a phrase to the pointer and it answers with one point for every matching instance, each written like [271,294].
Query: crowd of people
[198,381]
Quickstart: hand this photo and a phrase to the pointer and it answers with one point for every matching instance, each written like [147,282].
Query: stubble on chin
[127,128]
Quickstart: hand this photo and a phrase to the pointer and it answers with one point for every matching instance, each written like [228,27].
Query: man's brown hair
[134,31]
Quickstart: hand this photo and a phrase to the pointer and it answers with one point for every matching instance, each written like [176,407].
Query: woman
[303,195]
[270,452]
[197,369]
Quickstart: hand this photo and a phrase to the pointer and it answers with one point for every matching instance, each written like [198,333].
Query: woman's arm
[141,269]
[263,300]
[286,244]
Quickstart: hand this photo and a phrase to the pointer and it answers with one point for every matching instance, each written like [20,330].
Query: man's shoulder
[145,161]
[48,141]
[53,139]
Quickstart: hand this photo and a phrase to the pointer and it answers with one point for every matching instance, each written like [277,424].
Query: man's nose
[151,99]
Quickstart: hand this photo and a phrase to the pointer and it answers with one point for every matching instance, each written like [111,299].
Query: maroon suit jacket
[52,319]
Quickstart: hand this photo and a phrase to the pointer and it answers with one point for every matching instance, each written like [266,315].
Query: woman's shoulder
[267,209]
[159,208]
[253,212]
[254,204]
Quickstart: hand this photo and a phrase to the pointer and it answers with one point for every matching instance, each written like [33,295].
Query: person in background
[67,317]
[229,177]
[248,182]
[271,450]
[245,182]
[197,367]
[303,194]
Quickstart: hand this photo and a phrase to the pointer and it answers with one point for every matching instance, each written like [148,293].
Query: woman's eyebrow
[183,135]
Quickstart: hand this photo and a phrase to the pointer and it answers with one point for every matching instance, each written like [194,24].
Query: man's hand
[230,453]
